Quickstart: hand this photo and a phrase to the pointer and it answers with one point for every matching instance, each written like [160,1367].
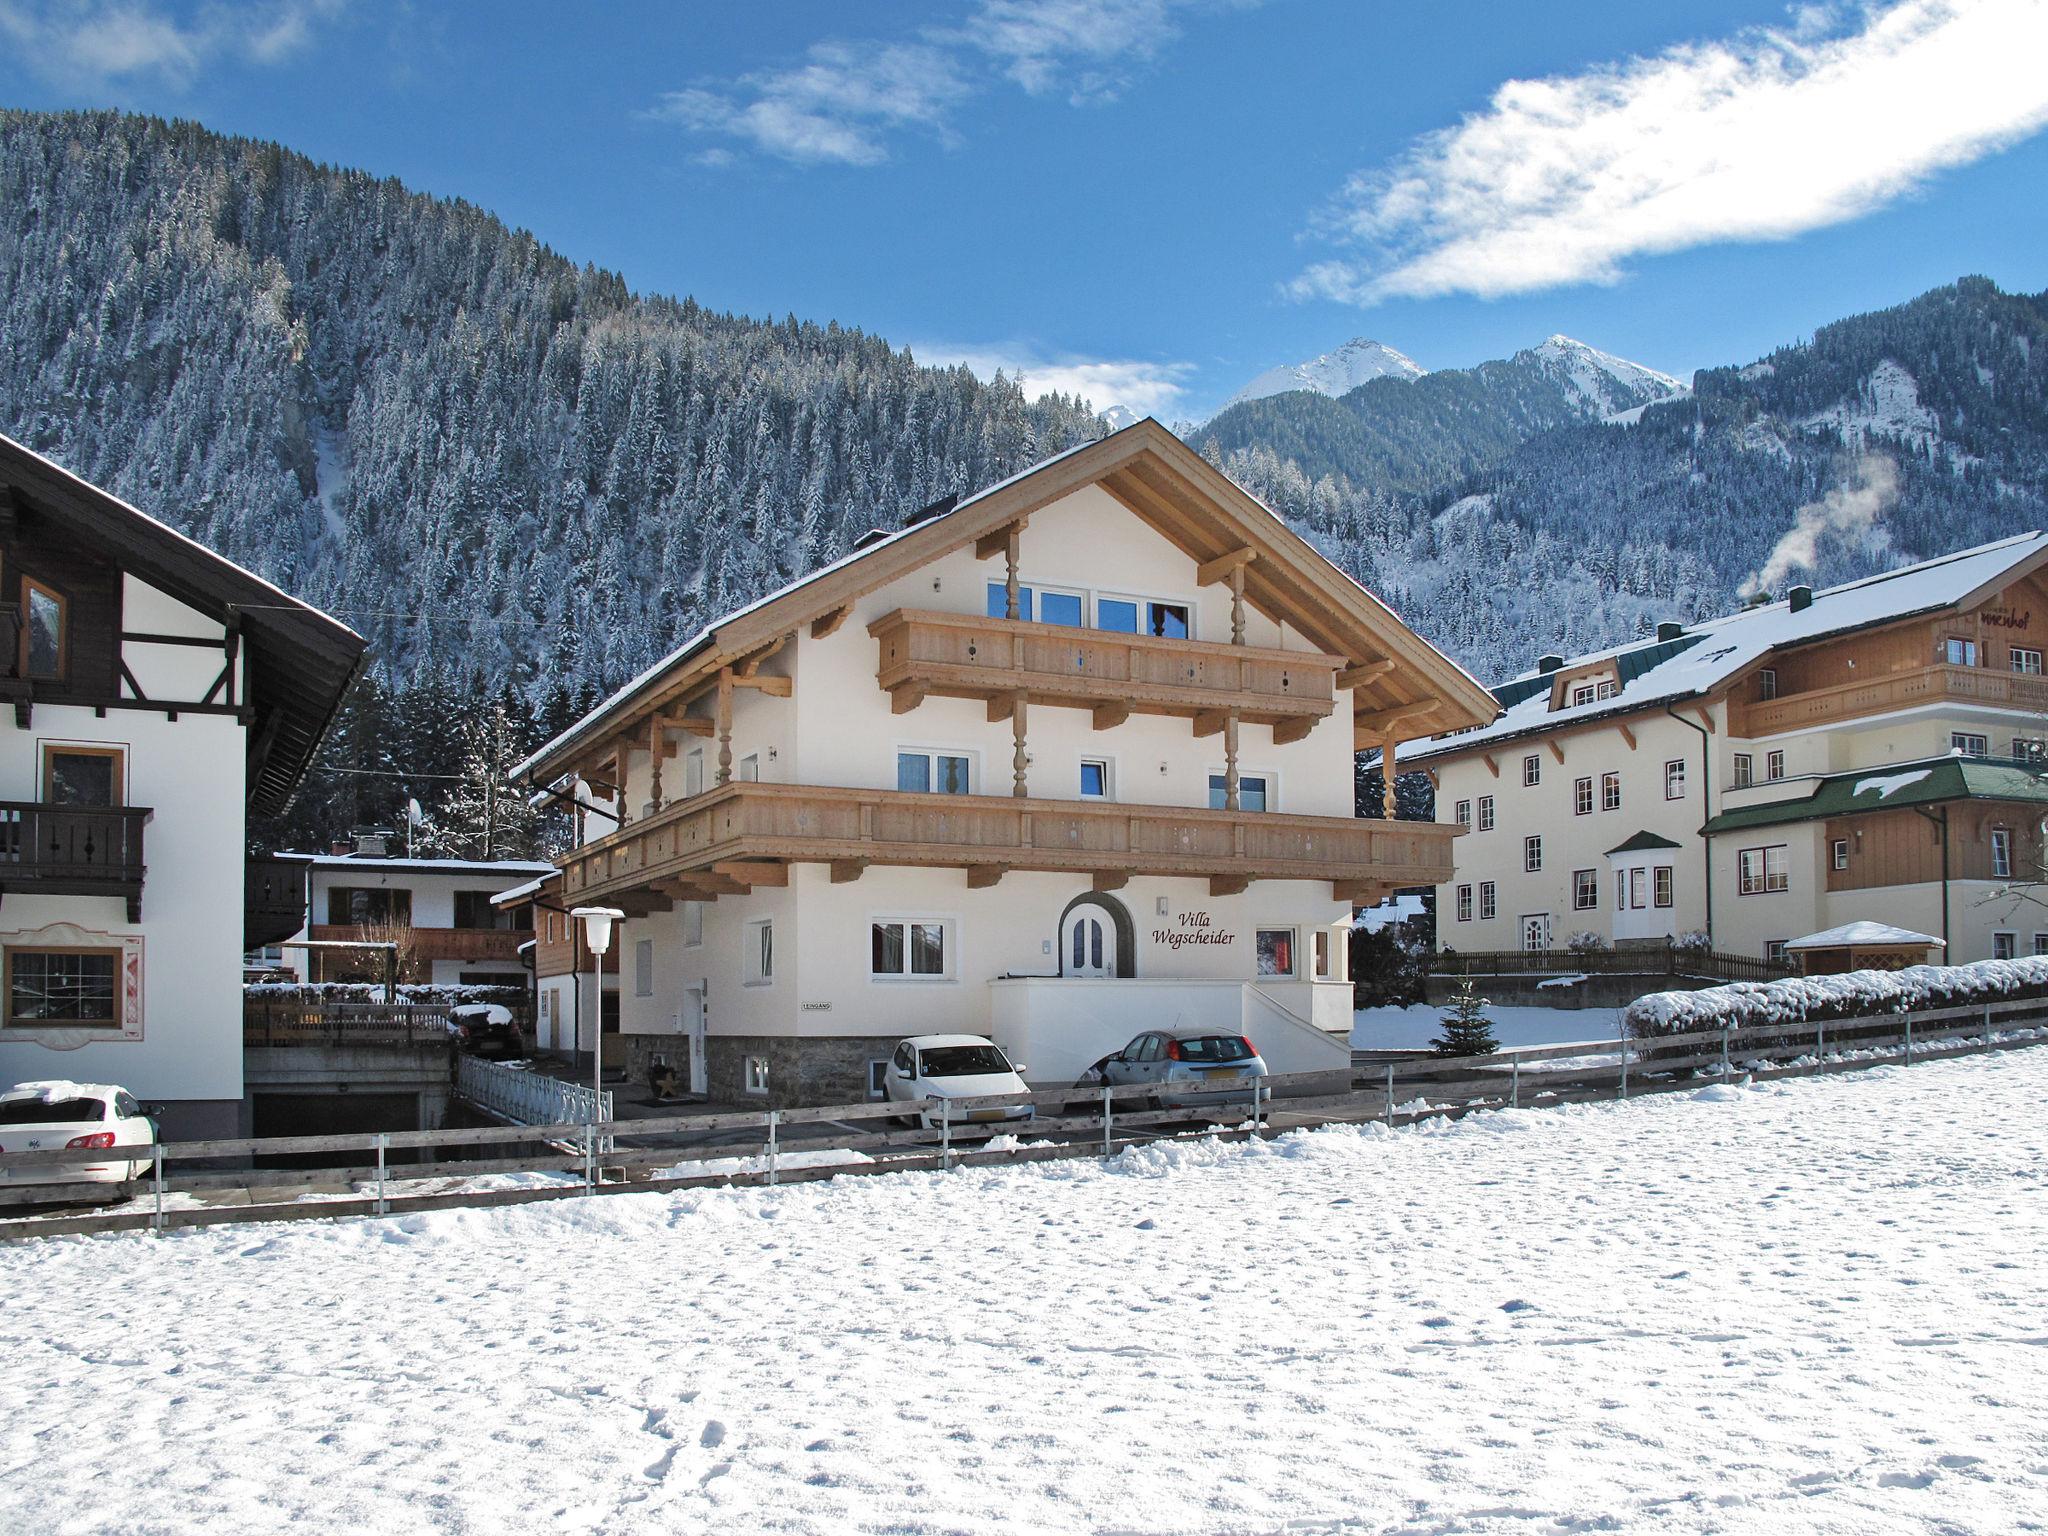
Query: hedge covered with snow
[1854,994]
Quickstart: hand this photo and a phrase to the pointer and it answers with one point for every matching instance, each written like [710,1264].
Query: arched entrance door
[1087,943]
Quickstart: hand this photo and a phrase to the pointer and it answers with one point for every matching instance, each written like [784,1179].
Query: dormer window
[43,637]
[1767,683]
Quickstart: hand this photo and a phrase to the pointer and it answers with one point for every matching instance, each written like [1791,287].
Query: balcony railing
[273,901]
[426,944]
[791,823]
[73,850]
[1937,684]
[961,655]
[287,1022]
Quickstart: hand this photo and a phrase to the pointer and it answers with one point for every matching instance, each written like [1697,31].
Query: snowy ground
[1394,1029]
[1812,1307]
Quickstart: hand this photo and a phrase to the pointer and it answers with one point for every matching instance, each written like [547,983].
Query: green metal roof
[1897,787]
[1643,842]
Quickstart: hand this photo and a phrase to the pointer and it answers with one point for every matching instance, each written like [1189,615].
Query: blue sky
[1156,199]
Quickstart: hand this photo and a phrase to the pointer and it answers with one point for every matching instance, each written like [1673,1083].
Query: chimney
[872,536]
[341,848]
[1758,599]
[1549,663]
[1800,597]
[369,844]
[1670,629]
[938,508]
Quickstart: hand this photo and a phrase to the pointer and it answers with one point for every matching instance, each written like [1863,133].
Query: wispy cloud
[1761,136]
[102,42]
[1146,388]
[847,98]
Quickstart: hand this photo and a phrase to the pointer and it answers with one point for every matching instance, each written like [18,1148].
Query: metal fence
[528,1098]
[607,1157]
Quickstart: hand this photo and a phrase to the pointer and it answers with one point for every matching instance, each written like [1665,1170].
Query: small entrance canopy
[1863,947]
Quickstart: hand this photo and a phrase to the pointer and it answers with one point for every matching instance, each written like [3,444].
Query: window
[693,924]
[2004,945]
[1969,743]
[1621,890]
[1044,605]
[1838,853]
[354,906]
[1744,771]
[1674,779]
[1774,766]
[82,776]
[1582,693]
[1605,690]
[1767,683]
[1532,770]
[941,773]
[754,1075]
[1139,616]
[1464,903]
[1763,871]
[1959,653]
[1660,885]
[1532,854]
[907,947]
[2026,660]
[643,968]
[1582,797]
[1252,792]
[64,987]
[693,773]
[2030,749]
[1610,791]
[750,768]
[1095,778]
[1276,951]
[1465,814]
[1486,813]
[878,1077]
[1638,887]
[2040,943]
[2001,853]
[473,909]
[1487,905]
[1774,950]
[1321,941]
[760,952]
[44,642]
[1585,889]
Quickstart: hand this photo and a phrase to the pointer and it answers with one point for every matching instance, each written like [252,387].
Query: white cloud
[1145,388]
[1757,137]
[101,42]
[844,100]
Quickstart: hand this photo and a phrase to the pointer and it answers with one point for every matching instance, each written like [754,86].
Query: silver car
[1198,1069]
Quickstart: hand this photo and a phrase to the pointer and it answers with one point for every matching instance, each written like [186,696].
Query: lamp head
[597,926]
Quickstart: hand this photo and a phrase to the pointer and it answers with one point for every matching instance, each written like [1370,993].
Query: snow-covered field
[1812,1307]
[1412,1028]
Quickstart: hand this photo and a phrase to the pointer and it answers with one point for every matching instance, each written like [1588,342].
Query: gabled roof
[1162,481]
[1931,781]
[1859,935]
[1642,842]
[1708,655]
[300,661]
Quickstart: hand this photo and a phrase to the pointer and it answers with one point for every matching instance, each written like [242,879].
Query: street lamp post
[597,933]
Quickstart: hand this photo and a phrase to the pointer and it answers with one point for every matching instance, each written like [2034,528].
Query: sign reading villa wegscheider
[1195,928]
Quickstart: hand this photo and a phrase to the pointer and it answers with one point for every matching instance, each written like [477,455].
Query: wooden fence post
[1909,1039]
[774,1164]
[1105,1119]
[1390,1095]
[946,1134]
[1624,1069]
[1724,1050]
[383,1140]
[156,1220]
[1515,1083]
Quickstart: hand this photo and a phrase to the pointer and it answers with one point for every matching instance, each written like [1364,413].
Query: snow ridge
[1599,383]
[1334,373]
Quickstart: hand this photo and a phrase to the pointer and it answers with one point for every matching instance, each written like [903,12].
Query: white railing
[528,1098]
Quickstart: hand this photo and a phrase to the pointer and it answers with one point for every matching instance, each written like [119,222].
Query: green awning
[1933,781]
[1642,842]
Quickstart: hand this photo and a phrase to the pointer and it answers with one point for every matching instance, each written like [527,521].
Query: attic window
[43,637]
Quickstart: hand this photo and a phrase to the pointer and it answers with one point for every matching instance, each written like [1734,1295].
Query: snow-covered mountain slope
[1334,373]
[1601,384]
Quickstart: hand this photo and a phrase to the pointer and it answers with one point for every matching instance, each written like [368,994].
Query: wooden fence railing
[1635,960]
[276,1021]
[1075,1122]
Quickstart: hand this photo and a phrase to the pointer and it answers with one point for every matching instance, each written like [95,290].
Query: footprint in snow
[1518,1305]
[713,1436]
[1147,1225]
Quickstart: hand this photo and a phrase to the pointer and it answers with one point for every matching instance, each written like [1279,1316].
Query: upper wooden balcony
[428,944]
[73,850]
[966,656]
[1912,689]
[745,834]
[273,901]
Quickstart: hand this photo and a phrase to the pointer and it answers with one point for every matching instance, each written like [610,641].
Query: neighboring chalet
[1873,752]
[1067,760]
[438,911]
[152,695]
[562,971]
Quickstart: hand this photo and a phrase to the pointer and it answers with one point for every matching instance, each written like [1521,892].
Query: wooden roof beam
[1556,751]
[1289,731]
[997,540]
[827,625]
[1209,572]
[1109,716]
[1228,885]
[1382,720]
[1365,672]
[774,687]
[981,876]
[1110,880]
[753,872]
[846,871]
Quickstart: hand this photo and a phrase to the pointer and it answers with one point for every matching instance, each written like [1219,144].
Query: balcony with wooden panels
[1912,688]
[73,850]
[966,656]
[740,835]
[428,944]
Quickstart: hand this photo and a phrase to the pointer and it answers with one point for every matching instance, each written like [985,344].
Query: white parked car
[47,1116]
[955,1067]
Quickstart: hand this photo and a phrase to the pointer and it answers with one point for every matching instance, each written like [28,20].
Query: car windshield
[961,1061]
[1215,1048]
[50,1111]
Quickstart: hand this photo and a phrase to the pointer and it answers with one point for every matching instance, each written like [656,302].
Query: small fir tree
[1467,1030]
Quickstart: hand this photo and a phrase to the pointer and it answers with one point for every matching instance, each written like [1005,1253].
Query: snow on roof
[1856,934]
[426,866]
[1711,652]
[1395,909]
[519,893]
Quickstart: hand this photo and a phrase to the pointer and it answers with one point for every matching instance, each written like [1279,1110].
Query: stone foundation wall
[802,1069]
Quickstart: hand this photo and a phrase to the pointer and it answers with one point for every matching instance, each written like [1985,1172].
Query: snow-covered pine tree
[1466,1029]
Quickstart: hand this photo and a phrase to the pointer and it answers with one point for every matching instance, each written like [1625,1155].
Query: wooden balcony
[273,901]
[430,944]
[964,656]
[1937,684]
[745,834]
[73,850]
